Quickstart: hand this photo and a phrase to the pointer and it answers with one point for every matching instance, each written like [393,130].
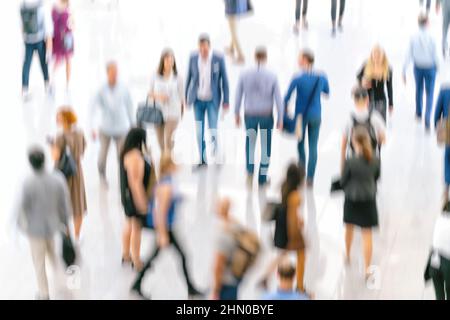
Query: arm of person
[360,74]
[188,80]
[130,109]
[343,150]
[219,268]
[239,95]
[135,167]
[279,104]
[325,87]
[180,91]
[288,95]
[65,207]
[224,84]
[163,195]
[390,90]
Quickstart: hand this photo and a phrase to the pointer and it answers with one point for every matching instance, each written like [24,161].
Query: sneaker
[333,32]
[296,29]
[200,166]
[26,96]
[305,24]
[136,289]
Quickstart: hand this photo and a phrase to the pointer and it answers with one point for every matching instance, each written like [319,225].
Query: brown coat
[77,144]
[294,232]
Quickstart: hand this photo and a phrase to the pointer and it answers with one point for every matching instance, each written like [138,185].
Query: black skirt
[363,214]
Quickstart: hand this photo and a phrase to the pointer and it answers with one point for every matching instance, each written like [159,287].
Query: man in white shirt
[116,116]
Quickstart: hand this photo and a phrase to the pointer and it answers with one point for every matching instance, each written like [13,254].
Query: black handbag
[68,250]
[336,185]
[67,164]
[149,114]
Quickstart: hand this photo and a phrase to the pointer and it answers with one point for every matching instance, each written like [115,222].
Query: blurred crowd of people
[150,197]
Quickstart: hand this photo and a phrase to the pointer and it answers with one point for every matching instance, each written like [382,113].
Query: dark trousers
[298,5]
[40,47]
[148,264]
[441,280]
[428,5]
[228,293]
[263,124]
[334,9]
[313,126]
[425,78]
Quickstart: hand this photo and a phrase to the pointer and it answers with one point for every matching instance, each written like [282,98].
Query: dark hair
[308,55]
[422,20]
[135,139]
[204,37]
[294,178]
[261,53]
[286,270]
[164,54]
[36,157]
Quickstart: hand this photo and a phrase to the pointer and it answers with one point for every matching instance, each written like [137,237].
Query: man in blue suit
[206,84]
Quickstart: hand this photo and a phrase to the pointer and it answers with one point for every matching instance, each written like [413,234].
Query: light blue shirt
[260,88]
[285,295]
[422,51]
[116,110]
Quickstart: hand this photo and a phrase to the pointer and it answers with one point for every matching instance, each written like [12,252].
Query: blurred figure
[441,113]
[260,89]
[63,43]
[113,101]
[161,218]
[359,181]
[309,86]
[286,280]
[135,179]
[37,32]
[289,225]
[333,15]
[445,21]
[237,250]
[233,10]
[298,5]
[206,82]
[166,89]
[72,138]
[422,51]
[45,208]
[375,75]
[367,118]
[438,268]
[428,5]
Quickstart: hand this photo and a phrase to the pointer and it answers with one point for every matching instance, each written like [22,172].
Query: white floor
[134,32]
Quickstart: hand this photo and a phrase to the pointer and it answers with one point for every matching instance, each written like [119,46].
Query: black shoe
[195,294]
[200,166]
[137,289]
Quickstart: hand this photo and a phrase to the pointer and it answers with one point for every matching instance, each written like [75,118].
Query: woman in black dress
[359,181]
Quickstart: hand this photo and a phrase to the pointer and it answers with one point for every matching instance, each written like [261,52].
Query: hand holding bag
[149,114]
[68,250]
[67,164]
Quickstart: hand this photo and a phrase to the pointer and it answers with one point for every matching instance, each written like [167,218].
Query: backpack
[245,253]
[30,21]
[370,129]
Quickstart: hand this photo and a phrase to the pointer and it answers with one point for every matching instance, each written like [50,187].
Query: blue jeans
[228,293]
[447,166]
[200,108]
[29,50]
[252,124]
[424,77]
[313,126]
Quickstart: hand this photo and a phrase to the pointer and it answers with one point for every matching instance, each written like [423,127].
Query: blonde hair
[370,71]
[166,164]
[362,138]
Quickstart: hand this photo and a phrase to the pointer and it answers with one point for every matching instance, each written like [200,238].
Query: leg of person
[68,69]
[138,282]
[29,49]
[160,137]
[266,125]
[419,78]
[429,5]
[191,288]
[298,5]
[251,133]
[135,242]
[367,247]
[304,12]
[126,240]
[119,141]
[438,283]
[199,115]
[213,117]
[349,231]
[445,268]
[42,52]
[228,292]
[38,252]
[234,38]
[447,173]
[333,16]
[301,146]
[445,25]
[430,77]
[77,222]
[341,13]
[301,261]
[169,129]
[313,140]
[105,141]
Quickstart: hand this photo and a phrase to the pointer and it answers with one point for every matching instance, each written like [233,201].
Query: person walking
[72,138]
[304,11]
[63,42]
[359,181]
[206,84]
[309,86]
[161,218]
[445,4]
[113,100]
[422,51]
[167,91]
[260,89]
[376,76]
[37,30]
[334,14]
[44,212]
[234,9]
